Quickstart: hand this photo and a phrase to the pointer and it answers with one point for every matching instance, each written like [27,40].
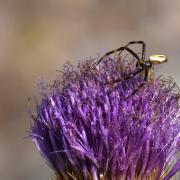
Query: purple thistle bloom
[85,129]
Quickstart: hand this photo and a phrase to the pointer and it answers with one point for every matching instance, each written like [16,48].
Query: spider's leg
[140,86]
[107,54]
[119,50]
[137,42]
[146,69]
[146,77]
[136,90]
[127,77]
[134,73]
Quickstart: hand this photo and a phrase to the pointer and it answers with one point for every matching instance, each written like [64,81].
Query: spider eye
[158,59]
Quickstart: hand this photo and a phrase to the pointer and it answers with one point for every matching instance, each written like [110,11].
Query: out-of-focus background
[38,36]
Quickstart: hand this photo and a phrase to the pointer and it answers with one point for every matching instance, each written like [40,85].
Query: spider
[142,63]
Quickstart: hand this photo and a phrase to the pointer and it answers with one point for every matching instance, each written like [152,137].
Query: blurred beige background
[38,36]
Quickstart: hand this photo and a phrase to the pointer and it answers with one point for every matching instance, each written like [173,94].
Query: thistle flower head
[86,128]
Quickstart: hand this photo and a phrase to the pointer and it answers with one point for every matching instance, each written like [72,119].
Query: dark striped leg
[142,84]
[119,50]
[137,42]
[127,77]
[136,90]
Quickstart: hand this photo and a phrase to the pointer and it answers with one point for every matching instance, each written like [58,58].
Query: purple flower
[85,127]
